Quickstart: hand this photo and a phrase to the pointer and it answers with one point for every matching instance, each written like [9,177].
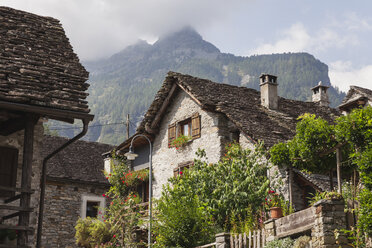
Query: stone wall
[16,140]
[321,221]
[63,204]
[214,133]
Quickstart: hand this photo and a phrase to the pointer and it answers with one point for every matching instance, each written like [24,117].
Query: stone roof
[242,106]
[355,93]
[81,161]
[37,63]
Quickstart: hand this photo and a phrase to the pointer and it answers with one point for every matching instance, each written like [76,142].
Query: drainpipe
[43,179]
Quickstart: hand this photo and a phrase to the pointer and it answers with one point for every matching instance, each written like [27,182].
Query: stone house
[214,114]
[40,78]
[74,186]
[356,97]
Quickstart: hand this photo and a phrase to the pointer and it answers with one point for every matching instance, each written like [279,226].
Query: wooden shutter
[8,169]
[171,133]
[195,126]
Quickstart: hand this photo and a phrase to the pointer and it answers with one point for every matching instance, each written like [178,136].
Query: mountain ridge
[126,82]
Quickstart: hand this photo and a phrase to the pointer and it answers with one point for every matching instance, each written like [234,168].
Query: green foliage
[280,155]
[124,214]
[48,131]
[280,243]
[365,214]
[91,231]
[182,221]
[229,194]
[302,242]
[326,195]
[124,181]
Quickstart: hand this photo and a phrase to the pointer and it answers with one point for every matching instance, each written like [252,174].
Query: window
[182,167]
[188,127]
[8,169]
[92,206]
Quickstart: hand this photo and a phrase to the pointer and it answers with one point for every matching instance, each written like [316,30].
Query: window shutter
[8,169]
[171,133]
[195,126]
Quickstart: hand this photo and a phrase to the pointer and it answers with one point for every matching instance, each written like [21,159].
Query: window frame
[93,198]
[181,168]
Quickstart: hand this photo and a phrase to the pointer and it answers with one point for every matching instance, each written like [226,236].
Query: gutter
[44,176]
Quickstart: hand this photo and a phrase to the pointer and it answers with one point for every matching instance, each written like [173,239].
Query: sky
[337,32]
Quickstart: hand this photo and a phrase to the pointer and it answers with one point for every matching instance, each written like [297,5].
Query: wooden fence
[255,239]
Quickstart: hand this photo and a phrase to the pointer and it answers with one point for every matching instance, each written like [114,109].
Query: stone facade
[214,135]
[16,140]
[63,207]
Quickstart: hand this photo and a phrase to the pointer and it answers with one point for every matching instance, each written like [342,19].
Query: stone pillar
[270,230]
[330,216]
[223,240]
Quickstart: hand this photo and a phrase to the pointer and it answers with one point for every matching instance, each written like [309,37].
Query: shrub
[90,232]
[280,243]
[302,242]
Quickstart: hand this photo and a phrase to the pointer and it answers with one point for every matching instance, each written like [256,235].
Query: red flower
[114,236]
[181,172]
[103,195]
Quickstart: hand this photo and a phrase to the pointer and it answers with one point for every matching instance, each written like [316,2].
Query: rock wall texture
[63,204]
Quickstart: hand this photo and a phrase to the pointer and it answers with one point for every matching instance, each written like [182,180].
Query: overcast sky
[337,32]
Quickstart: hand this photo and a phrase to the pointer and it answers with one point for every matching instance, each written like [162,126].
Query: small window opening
[92,209]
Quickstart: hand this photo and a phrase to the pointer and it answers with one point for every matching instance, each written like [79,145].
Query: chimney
[320,94]
[269,91]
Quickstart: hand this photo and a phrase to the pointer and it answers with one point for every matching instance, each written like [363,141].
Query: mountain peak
[185,38]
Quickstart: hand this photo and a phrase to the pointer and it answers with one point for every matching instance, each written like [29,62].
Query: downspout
[43,179]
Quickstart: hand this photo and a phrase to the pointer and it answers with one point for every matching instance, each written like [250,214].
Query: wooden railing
[253,239]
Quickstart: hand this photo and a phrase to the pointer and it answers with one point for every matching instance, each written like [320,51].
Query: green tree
[314,149]
[222,196]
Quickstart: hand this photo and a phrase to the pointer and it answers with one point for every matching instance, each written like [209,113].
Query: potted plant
[180,141]
[274,202]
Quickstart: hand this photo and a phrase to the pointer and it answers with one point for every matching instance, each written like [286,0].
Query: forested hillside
[127,81]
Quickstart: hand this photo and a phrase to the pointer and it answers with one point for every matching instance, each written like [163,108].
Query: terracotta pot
[276,212]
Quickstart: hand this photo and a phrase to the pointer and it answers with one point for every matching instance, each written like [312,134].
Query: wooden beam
[163,107]
[28,147]
[11,199]
[339,159]
[12,125]
[193,97]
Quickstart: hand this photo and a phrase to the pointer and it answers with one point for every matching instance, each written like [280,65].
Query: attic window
[187,127]
[184,128]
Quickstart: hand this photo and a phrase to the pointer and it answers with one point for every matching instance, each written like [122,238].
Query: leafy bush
[182,221]
[280,243]
[91,231]
[365,215]
[326,195]
[302,242]
[228,195]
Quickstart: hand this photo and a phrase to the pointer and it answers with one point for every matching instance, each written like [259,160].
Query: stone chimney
[269,91]
[320,94]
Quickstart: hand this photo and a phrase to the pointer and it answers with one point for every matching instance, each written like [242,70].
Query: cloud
[99,28]
[298,39]
[342,75]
